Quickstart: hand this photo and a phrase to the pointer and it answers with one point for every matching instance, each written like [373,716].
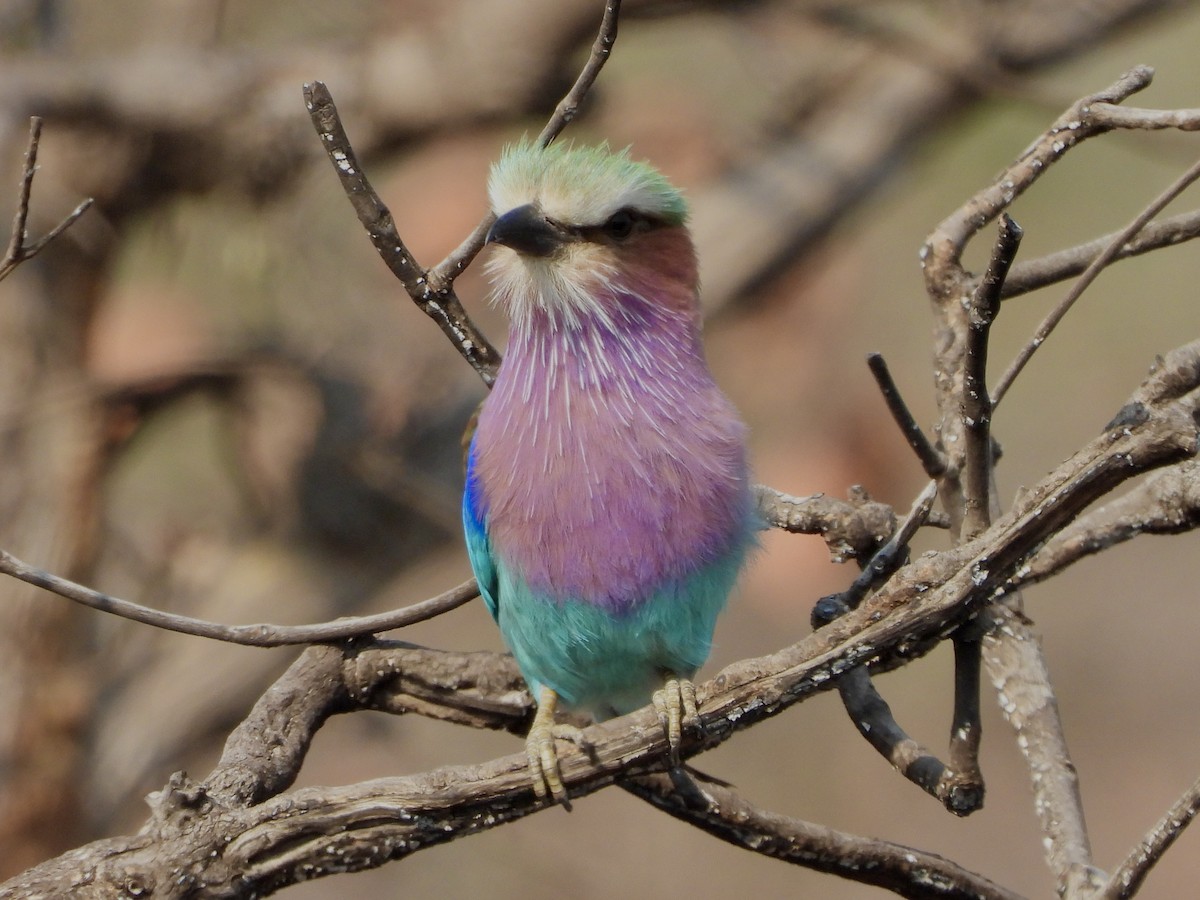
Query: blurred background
[214,398]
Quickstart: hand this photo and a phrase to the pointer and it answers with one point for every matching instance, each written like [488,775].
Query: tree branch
[443,306]
[959,786]
[977,403]
[443,274]
[932,461]
[1168,502]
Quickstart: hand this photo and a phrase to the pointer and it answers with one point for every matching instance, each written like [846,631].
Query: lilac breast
[609,462]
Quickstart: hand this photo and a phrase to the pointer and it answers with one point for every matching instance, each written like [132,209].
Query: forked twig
[1089,275]
[444,306]
[18,250]
[433,289]
[443,274]
[959,787]
[1014,659]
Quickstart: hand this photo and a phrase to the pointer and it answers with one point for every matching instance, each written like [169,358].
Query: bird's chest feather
[606,473]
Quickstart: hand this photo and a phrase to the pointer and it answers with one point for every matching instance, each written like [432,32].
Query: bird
[608,508]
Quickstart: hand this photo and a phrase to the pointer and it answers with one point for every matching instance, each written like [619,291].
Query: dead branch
[1088,117]
[958,786]
[443,306]
[243,831]
[932,460]
[1014,658]
[977,401]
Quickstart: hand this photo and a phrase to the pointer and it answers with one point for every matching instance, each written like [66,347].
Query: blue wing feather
[479,547]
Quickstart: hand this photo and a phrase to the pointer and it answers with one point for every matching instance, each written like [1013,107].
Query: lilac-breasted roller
[608,506]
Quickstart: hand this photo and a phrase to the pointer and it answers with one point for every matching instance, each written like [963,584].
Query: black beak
[527,231]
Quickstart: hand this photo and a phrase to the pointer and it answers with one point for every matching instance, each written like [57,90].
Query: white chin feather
[571,288]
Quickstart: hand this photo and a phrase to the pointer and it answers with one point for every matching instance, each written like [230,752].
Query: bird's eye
[620,224]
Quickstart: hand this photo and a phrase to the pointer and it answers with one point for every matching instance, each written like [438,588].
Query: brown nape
[662,260]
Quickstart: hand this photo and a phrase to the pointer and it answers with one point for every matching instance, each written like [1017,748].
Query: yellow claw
[675,703]
[542,752]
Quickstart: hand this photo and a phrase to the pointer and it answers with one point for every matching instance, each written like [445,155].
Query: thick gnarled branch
[905,871]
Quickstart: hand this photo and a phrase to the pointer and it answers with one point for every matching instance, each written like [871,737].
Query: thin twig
[443,274]
[602,47]
[16,240]
[19,250]
[932,461]
[1126,881]
[263,635]
[1089,275]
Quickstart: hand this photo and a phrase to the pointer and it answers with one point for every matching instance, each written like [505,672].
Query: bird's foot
[675,703]
[542,751]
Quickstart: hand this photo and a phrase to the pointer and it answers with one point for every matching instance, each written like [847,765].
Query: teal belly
[610,664]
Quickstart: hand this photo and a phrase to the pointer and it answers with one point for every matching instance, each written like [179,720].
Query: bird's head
[585,229]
